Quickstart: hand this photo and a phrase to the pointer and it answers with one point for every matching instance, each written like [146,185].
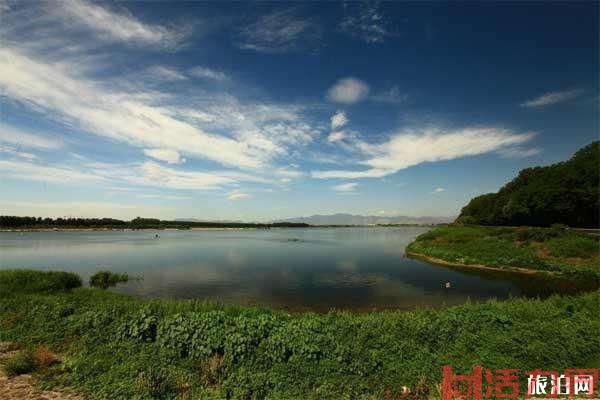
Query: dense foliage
[118,347]
[560,250]
[14,222]
[563,193]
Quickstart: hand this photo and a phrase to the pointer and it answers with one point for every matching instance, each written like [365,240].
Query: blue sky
[259,111]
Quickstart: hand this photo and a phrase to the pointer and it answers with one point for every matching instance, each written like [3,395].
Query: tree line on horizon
[17,222]
[566,193]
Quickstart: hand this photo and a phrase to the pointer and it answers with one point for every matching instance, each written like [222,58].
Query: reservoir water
[296,269]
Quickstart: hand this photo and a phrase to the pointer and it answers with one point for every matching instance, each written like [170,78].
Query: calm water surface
[298,269]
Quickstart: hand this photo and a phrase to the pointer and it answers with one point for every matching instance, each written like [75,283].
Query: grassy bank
[119,347]
[556,250]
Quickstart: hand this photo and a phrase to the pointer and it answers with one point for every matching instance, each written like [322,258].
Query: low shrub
[106,279]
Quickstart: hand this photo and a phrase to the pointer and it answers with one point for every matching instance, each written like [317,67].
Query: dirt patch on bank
[23,387]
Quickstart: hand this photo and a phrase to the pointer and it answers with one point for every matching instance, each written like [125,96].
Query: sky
[265,111]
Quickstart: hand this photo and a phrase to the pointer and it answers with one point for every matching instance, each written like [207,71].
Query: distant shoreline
[207,228]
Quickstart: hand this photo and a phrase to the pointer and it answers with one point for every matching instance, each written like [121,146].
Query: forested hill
[564,193]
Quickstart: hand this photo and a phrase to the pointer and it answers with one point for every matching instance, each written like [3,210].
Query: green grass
[31,281]
[119,347]
[557,250]
[106,279]
[21,363]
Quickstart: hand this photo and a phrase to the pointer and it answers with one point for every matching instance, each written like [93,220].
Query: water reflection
[299,269]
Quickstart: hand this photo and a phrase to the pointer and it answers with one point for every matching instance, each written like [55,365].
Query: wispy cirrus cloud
[165,73]
[162,196]
[149,174]
[166,155]
[262,131]
[392,95]
[208,73]
[346,188]
[281,31]
[15,152]
[409,148]
[518,152]
[21,138]
[116,25]
[551,98]
[46,173]
[366,21]
[238,194]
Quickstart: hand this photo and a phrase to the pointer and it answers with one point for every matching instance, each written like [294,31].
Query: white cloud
[146,174]
[288,173]
[166,155]
[19,137]
[366,21]
[207,73]
[551,98]
[336,136]
[338,120]
[281,31]
[348,91]
[164,73]
[439,190]
[346,187]
[15,152]
[153,174]
[238,195]
[123,116]
[38,172]
[115,26]
[409,148]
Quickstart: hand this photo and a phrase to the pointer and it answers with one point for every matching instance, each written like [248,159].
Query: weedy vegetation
[119,347]
[106,279]
[22,362]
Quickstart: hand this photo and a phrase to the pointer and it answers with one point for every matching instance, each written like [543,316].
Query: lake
[296,269]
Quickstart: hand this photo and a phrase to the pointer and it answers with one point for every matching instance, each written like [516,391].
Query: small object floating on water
[448,285]
[156,236]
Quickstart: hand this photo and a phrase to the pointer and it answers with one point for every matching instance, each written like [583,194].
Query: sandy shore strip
[439,261]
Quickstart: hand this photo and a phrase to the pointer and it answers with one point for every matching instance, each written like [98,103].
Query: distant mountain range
[349,219]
